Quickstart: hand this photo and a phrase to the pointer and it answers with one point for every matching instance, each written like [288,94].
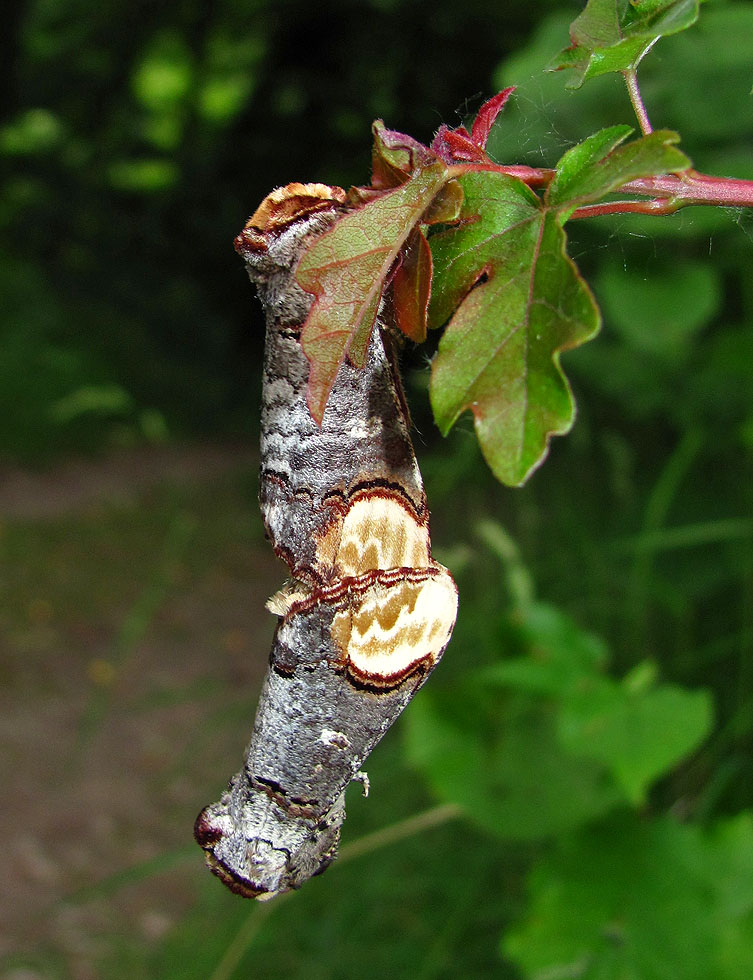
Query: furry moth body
[368,612]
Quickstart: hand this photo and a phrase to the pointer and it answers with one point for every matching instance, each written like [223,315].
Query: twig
[631,80]
[655,206]
[392,833]
[696,188]
[683,189]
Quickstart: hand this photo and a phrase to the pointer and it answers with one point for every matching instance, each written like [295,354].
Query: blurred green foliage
[606,775]
[135,141]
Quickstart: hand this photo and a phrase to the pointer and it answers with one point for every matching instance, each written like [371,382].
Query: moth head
[274,238]
[284,208]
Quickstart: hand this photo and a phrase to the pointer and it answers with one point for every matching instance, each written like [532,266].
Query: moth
[366,613]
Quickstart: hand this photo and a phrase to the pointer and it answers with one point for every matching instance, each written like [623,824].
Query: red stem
[694,188]
[668,193]
[659,205]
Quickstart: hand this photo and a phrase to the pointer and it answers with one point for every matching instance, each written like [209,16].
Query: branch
[695,188]
[668,194]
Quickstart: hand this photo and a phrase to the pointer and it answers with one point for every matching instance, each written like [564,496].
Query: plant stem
[692,187]
[655,206]
[667,193]
[631,80]
[670,193]
[399,831]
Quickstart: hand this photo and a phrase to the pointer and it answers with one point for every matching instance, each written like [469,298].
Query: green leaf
[492,746]
[638,734]
[504,765]
[540,743]
[637,727]
[559,655]
[659,311]
[347,268]
[600,164]
[641,900]
[519,304]
[613,35]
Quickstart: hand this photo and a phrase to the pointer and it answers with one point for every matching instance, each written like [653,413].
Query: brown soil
[132,643]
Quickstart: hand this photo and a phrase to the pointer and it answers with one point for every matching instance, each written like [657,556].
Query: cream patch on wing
[380,532]
[392,628]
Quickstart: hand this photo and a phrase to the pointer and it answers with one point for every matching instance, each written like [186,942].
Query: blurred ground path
[117,479]
[133,638]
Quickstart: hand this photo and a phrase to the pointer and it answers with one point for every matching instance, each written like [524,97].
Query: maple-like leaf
[515,302]
[613,35]
[347,269]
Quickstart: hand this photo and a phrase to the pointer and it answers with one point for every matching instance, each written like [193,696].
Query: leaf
[638,899]
[395,156]
[638,734]
[504,765]
[458,145]
[411,287]
[613,35]
[487,115]
[637,728]
[599,164]
[518,303]
[559,655]
[492,746]
[661,310]
[347,269]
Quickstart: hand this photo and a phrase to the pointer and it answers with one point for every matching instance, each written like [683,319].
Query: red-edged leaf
[486,115]
[456,146]
[411,287]
[445,208]
[516,302]
[395,156]
[347,269]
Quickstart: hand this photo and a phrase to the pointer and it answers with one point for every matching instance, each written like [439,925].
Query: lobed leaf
[516,302]
[641,898]
[505,765]
[613,35]
[545,741]
[638,735]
